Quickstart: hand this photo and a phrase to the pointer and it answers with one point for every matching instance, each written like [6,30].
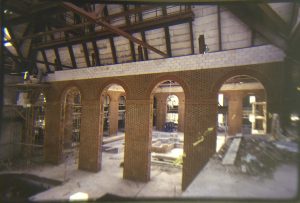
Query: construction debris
[260,155]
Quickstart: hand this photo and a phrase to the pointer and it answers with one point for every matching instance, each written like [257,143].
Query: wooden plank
[96,51]
[93,18]
[231,153]
[86,55]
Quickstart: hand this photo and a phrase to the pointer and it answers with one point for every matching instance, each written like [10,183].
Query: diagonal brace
[93,18]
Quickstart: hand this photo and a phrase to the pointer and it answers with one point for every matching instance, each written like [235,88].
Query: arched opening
[39,107]
[112,127]
[168,101]
[242,108]
[71,126]
[121,113]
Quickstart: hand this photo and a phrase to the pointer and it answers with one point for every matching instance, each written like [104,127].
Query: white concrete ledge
[237,57]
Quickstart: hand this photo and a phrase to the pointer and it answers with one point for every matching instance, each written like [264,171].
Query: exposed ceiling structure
[67,35]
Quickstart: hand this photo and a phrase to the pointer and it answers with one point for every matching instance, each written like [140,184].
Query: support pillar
[113,113]
[90,134]
[138,128]
[235,112]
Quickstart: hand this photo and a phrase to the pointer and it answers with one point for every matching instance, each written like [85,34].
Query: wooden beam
[96,51]
[86,54]
[72,56]
[132,51]
[1,69]
[57,57]
[92,17]
[137,9]
[145,50]
[45,60]
[18,60]
[295,13]
[192,37]
[113,50]
[173,19]
[253,36]
[219,29]
[71,53]
[243,12]
[47,8]
[274,20]
[167,34]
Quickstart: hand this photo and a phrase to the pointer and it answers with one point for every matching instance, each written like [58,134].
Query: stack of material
[260,156]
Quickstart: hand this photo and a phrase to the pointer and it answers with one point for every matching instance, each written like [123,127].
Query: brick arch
[67,88]
[117,82]
[251,73]
[158,80]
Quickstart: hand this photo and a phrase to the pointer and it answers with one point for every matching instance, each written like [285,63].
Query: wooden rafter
[111,40]
[57,57]
[253,18]
[71,52]
[294,16]
[96,51]
[19,60]
[167,34]
[145,50]
[113,50]
[132,51]
[274,20]
[86,54]
[45,60]
[47,8]
[92,17]
[151,24]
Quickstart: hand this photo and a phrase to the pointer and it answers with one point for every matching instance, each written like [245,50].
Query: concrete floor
[165,182]
[215,180]
[219,181]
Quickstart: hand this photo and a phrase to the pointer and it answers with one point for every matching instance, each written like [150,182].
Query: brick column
[53,132]
[161,110]
[90,133]
[181,111]
[138,128]
[68,121]
[113,113]
[200,115]
[235,112]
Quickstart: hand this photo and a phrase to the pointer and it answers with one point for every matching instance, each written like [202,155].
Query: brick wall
[200,86]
